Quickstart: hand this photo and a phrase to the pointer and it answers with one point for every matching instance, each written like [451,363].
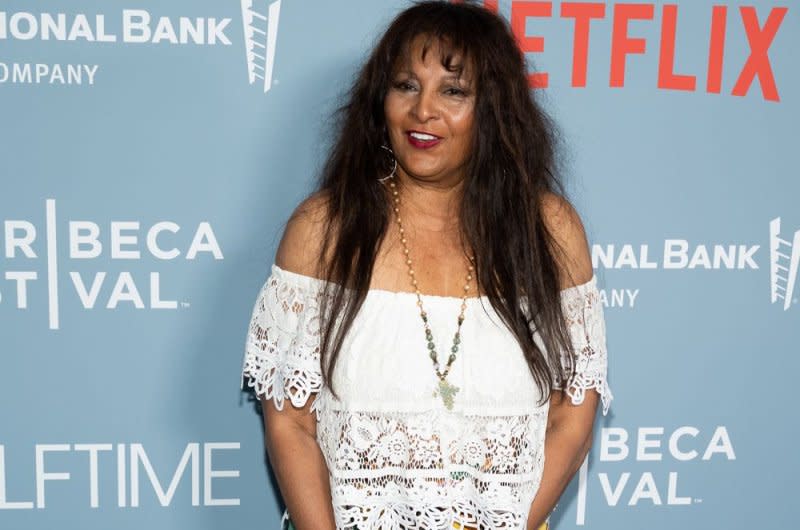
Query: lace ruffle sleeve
[282,350]
[583,312]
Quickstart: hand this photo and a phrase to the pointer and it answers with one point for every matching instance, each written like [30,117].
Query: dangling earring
[394,163]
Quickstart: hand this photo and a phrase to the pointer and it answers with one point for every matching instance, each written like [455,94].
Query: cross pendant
[447,393]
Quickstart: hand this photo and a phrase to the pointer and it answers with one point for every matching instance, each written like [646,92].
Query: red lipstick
[422,140]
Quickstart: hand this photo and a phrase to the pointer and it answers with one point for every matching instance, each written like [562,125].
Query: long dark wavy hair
[512,165]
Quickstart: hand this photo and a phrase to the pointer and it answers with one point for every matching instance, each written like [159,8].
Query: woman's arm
[568,436]
[290,434]
[566,444]
[298,463]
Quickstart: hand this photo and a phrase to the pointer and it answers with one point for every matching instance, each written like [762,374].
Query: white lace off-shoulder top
[397,457]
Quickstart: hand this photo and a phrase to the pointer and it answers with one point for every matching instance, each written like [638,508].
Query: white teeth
[422,136]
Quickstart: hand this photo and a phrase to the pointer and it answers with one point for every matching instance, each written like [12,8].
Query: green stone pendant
[447,392]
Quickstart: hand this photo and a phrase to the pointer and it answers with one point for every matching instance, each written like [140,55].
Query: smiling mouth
[422,140]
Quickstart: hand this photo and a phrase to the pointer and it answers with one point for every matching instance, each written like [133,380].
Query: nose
[425,107]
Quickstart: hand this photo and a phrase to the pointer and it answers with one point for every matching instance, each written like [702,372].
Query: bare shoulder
[303,235]
[572,247]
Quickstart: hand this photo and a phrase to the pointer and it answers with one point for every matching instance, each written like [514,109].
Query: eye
[455,91]
[403,86]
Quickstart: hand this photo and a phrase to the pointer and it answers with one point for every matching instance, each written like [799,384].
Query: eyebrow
[449,77]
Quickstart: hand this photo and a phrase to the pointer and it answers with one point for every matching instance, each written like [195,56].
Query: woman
[435,227]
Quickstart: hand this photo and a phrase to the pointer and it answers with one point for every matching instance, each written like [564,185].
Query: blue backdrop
[151,151]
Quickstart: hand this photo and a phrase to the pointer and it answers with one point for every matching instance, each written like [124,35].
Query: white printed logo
[640,484]
[137,26]
[683,254]
[260,38]
[195,467]
[784,258]
[106,288]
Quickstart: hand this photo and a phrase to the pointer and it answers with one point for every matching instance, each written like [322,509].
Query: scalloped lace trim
[583,312]
[283,344]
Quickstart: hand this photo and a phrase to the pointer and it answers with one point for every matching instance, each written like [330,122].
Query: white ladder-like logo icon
[784,258]
[260,37]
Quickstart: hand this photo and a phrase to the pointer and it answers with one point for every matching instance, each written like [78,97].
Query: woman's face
[429,116]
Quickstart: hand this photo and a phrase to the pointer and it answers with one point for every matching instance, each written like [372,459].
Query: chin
[422,173]
[422,170]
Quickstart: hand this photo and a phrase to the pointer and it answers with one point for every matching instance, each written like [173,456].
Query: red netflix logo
[759,38]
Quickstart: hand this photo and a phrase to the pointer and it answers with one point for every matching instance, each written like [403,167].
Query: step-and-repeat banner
[150,153]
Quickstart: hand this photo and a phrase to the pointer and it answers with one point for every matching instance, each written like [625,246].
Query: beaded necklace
[446,390]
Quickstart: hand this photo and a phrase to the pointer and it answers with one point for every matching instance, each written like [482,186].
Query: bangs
[455,32]
[453,54]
